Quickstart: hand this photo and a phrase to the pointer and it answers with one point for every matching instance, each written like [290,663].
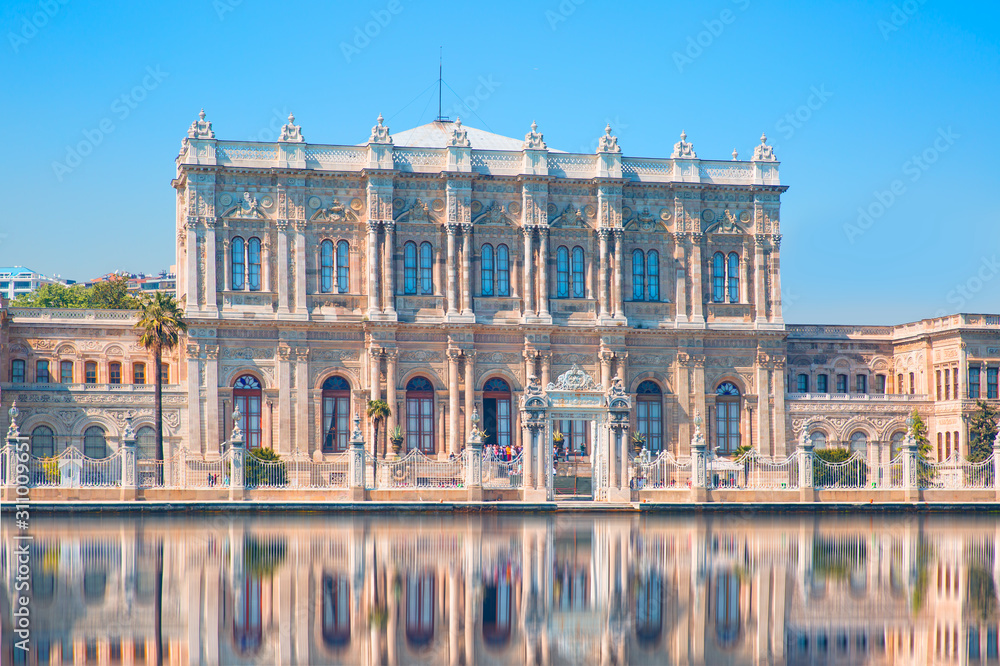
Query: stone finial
[459,135]
[12,429]
[380,133]
[201,128]
[237,431]
[763,152]
[128,433]
[683,149]
[996,440]
[533,139]
[736,155]
[356,433]
[290,132]
[608,143]
[804,437]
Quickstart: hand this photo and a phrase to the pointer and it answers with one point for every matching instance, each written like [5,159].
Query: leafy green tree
[112,294]
[925,471]
[54,296]
[160,325]
[982,431]
[377,411]
[256,474]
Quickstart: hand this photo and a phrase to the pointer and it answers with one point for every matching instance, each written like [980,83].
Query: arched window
[562,272]
[649,415]
[896,444]
[409,267]
[253,264]
[653,275]
[139,373]
[420,608]
[818,438]
[486,270]
[859,442]
[326,266]
[638,275]
[114,372]
[718,277]
[145,443]
[503,271]
[420,415]
[247,396]
[426,268]
[336,414]
[95,444]
[734,277]
[238,264]
[343,267]
[43,442]
[579,289]
[496,412]
[727,417]
[336,618]
[649,608]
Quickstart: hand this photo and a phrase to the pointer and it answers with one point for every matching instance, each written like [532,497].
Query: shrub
[855,474]
[258,469]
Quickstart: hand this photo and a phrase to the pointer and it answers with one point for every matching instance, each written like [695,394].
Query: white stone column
[466,269]
[283,304]
[528,454]
[680,277]
[529,271]
[744,269]
[758,278]
[776,278]
[213,429]
[543,271]
[195,442]
[619,236]
[453,355]
[375,369]
[470,389]
[300,268]
[211,261]
[372,268]
[697,279]
[389,299]
[390,387]
[452,306]
[302,399]
[602,272]
[284,442]
[191,279]
[227,262]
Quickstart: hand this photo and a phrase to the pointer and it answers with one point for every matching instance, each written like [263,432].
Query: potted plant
[638,442]
[396,438]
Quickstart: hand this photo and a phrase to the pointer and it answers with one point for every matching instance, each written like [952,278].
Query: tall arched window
[336,618]
[343,267]
[718,277]
[239,264]
[649,415]
[653,275]
[579,285]
[818,438]
[409,267]
[253,264]
[43,442]
[326,266]
[859,442]
[562,272]
[727,417]
[95,444]
[336,414]
[503,271]
[638,275]
[426,268]
[486,270]
[420,415]
[247,396]
[145,443]
[734,277]
[896,444]
[420,608]
[496,412]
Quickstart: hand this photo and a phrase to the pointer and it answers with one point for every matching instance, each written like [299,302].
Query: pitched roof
[438,133]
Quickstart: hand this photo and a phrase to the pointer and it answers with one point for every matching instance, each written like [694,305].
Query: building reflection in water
[510,590]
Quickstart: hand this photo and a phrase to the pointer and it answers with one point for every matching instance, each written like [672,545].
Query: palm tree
[160,325]
[378,411]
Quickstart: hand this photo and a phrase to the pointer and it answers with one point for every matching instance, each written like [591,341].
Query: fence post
[356,463]
[474,469]
[129,463]
[699,473]
[911,490]
[807,493]
[13,439]
[236,480]
[996,465]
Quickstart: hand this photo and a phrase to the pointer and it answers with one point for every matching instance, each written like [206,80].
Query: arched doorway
[496,413]
[649,415]
[247,398]
[727,417]
[336,414]
[420,415]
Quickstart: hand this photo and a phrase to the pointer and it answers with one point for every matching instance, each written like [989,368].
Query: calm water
[470,589]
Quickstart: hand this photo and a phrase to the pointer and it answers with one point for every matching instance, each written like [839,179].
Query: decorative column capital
[372,226]
[466,227]
[760,240]
[389,226]
[776,240]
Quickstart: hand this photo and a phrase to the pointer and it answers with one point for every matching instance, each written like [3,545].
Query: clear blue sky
[886,82]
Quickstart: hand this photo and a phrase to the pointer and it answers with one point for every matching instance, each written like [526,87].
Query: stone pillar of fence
[129,463]
[911,489]
[236,460]
[474,468]
[699,463]
[356,463]
[996,466]
[807,492]
[13,439]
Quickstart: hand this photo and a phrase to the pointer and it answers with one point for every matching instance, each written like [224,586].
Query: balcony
[858,397]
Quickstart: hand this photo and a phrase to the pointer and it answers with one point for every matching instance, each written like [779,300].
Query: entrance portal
[496,413]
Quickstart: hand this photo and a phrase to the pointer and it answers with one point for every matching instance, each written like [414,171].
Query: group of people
[503,453]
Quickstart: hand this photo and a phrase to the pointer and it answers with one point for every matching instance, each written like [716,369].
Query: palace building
[440,268]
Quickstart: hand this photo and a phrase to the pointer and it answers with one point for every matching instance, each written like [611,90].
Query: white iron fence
[499,473]
[416,470]
[663,472]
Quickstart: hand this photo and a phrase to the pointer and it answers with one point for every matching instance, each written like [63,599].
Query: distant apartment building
[17,280]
